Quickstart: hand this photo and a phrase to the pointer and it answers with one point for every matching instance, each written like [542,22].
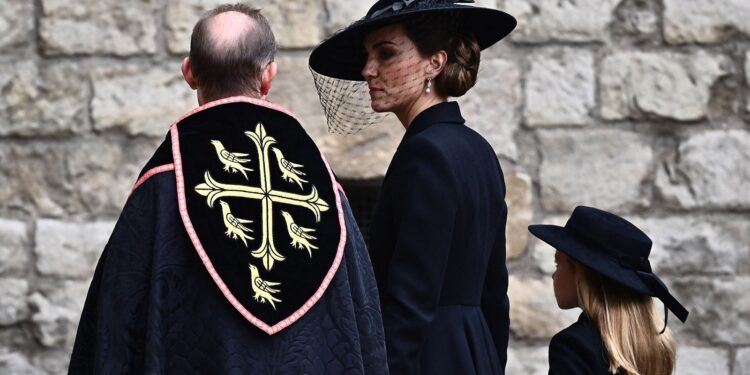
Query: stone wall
[637,106]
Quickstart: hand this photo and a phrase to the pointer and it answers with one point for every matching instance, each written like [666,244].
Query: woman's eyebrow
[383,43]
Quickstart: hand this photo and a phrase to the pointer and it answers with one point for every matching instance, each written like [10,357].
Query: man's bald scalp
[229,48]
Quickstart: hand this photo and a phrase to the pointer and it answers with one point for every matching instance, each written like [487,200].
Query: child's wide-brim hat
[612,247]
[342,55]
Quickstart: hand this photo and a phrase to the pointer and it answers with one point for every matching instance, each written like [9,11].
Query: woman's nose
[369,70]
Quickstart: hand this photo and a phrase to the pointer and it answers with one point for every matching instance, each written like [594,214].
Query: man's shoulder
[161,157]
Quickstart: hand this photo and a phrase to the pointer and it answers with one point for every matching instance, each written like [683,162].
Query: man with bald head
[236,251]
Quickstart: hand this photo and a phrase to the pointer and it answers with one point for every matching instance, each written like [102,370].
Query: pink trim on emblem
[151,172]
[181,200]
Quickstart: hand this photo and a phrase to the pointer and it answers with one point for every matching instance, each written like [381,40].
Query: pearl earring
[429,85]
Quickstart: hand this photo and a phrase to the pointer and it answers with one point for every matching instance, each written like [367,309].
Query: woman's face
[564,281]
[395,71]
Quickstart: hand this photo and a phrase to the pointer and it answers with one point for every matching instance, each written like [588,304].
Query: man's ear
[269,73]
[436,64]
[187,73]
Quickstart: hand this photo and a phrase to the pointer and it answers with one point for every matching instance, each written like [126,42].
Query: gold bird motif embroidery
[289,171]
[300,235]
[235,226]
[232,160]
[263,289]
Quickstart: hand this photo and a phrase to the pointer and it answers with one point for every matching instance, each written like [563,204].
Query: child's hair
[628,323]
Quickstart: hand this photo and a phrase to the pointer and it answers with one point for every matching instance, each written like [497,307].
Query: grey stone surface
[636,18]
[527,360]
[702,361]
[553,20]
[518,199]
[719,307]
[601,168]
[140,100]
[57,312]
[14,363]
[533,310]
[695,244]
[42,100]
[16,23]
[559,87]
[492,106]
[342,13]
[747,76]
[179,18]
[638,84]
[13,305]
[705,21]
[742,361]
[708,170]
[14,242]
[69,249]
[52,178]
[121,28]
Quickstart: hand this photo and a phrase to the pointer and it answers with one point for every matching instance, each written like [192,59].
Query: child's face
[564,281]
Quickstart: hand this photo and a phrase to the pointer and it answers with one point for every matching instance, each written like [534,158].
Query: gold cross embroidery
[300,236]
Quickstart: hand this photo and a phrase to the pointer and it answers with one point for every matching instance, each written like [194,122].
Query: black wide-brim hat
[342,55]
[612,247]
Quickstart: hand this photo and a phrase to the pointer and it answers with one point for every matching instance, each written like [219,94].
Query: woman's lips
[375,90]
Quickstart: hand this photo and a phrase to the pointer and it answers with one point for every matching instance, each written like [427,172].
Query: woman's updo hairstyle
[435,34]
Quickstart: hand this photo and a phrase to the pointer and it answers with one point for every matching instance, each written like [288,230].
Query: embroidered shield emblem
[260,208]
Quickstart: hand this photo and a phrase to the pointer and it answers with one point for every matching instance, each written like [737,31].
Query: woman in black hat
[603,268]
[438,238]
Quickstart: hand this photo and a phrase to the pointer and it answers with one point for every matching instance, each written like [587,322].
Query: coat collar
[447,112]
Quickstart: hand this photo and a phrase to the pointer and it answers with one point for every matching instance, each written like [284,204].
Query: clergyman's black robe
[157,305]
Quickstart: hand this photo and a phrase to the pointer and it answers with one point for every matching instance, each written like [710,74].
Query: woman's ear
[436,63]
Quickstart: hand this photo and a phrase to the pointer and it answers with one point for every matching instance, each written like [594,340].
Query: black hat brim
[564,241]
[342,55]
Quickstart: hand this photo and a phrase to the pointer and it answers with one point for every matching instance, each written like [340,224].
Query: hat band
[635,263]
[402,4]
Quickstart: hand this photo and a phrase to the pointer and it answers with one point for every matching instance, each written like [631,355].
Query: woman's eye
[385,55]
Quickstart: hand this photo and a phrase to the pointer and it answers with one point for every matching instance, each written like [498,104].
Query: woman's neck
[409,113]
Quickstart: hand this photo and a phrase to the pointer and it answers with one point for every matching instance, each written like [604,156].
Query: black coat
[578,349]
[438,248]
[153,307]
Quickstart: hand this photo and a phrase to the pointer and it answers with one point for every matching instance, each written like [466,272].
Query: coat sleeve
[423,194]
[567,355]
[495,304]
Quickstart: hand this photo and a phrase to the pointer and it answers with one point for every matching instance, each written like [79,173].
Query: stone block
[636,18]
[709,171]
[643,84]
[13,304]
[518,198]
[14,251]
[533,309]
[601,168]
[342,13]
[140,100]
[16,23]
[560,87]
[43,100]
[492,106]
[527,360]
[695,244]
[705,21]
[742,361]
[121,28]
[70,249]
[51,178]
[719,307]
[563,21]
[15,363]
[57,312]
[180,17]
[702,361]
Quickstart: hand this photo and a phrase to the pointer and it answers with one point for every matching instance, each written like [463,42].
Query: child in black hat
[603,268]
